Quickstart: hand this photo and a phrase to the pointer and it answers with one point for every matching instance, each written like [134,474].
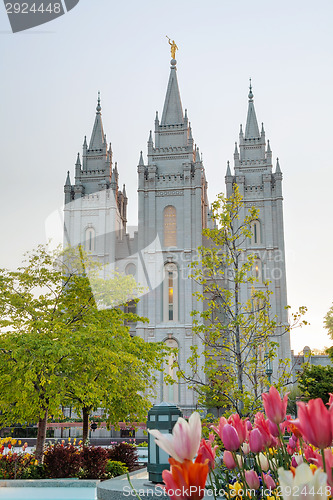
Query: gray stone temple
[173,210]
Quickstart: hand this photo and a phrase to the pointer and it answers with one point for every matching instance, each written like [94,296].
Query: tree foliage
[236,334]
[65,341]
[316,382]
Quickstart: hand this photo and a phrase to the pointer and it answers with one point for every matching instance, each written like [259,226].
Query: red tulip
[257,442]
[207,452]
[275,407]
[228,460]
[315,422]
[9,446]
[230,438]
[252,479]
[185,480]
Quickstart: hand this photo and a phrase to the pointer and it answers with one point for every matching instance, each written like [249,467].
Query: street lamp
[269,369]
[163,418]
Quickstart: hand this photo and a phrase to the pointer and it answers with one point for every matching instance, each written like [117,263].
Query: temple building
[173,210]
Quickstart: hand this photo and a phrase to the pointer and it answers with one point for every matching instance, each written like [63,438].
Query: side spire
[97,140]
[252,129]
[172,111]
[68,180]
[278,169]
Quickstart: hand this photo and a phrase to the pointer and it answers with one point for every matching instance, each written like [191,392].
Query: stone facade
[260,187]
[173,209]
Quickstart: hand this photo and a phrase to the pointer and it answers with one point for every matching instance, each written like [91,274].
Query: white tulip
[305,484]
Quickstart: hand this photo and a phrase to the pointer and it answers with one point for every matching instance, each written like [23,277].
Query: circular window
[130,269]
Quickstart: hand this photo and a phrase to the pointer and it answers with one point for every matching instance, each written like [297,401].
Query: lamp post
[163,418]
[269,369]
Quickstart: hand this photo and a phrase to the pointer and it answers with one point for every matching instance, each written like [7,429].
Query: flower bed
[244,459]
[66,459]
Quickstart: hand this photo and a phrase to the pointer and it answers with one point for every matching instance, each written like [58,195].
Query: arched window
[257,269]
[256,232]
[170,226]
[170,293]
[171,391]
[90,239]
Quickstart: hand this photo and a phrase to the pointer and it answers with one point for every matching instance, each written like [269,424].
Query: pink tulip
[183,443]
[207,452]
[275,407]
[257,442]
[268,481]
[311,456]
[315,422]
[211,437]
[239,425]
[252,479]
[248,425]
[292,443]
[329,466]
[230,438]
[273,428]
[228,460]
[222,422]
[262,424]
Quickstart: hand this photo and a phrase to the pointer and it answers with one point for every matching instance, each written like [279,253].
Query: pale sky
[49,83]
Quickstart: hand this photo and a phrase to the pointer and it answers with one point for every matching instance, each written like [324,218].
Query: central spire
[172,111]
[252,129]
[97,140]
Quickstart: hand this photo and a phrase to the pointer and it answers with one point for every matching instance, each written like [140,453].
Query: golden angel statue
[173,48]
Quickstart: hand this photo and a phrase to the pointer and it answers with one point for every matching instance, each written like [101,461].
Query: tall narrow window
[90,239]
[257,269]
[170,293]
[170,226]
[171,391]
[256,233]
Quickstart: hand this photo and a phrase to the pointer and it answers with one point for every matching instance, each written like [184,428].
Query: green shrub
[144,444]
[114,468]
[33,472]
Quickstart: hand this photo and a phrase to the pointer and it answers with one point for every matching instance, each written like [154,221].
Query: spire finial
[98,108]
[250,93]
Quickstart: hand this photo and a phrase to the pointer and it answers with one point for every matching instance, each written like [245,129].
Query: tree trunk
[85,417]
[41,436]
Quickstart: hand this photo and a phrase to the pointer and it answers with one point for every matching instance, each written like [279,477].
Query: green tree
[316,382]
[237,335]
[64,341]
